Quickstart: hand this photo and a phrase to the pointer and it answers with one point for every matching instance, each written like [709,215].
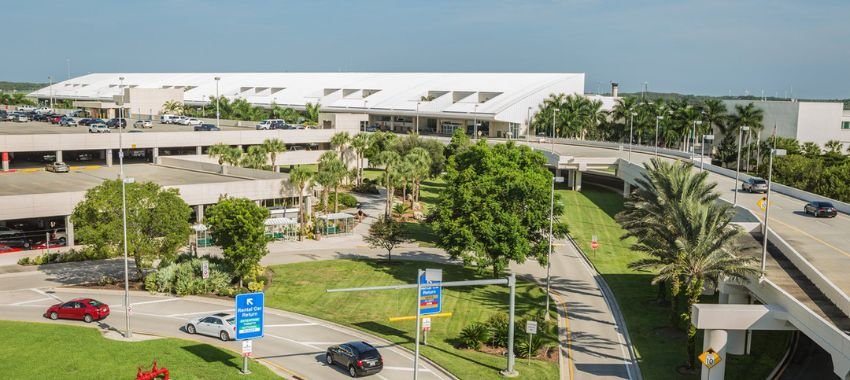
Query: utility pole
[128,334]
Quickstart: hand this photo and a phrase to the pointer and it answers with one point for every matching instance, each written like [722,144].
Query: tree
[173,107]
[460,143]
[833,146]
[389,159]
[360,143]
[625,109]
[330,175]
[714,111]
[218,151]
[157,221]
[811,149]
[237,226]
[339,143]
[272,147]
[301,178]
[434,148]
[419,161]
[494,208]
[311,112]
[385,233]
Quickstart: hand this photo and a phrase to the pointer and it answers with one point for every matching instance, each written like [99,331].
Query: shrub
[522,347]
[150,282]
[498,326]
[24,261]
[345,201]
[367,187]
[183,277]
[256,286]
[474,335]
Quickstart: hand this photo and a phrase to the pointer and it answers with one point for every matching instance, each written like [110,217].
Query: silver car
[221,325]
[98,128]
[57,167]
[754,185]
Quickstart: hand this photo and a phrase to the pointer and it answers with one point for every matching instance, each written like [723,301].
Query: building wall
[784,114]
[517,109]
[149,101]
[821,122]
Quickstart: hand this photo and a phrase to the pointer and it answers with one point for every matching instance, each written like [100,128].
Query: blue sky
[705,47]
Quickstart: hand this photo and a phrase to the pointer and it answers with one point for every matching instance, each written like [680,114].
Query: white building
[500,103]
[816,122]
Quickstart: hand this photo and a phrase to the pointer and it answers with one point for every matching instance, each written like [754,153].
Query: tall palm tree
[714,112]
[404,173]
[254,158]
[833,146]
[218,151]
[273,147]
[331,174]
[301,179]
[232,156]
[312,113]
[360,143]
[625,109]
[389,159]
[173,107]
[340,142]
[420,162]
[750,116]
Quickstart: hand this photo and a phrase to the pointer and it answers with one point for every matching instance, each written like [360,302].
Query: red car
[86,309]
[54,243]
[55,119]
[7,249]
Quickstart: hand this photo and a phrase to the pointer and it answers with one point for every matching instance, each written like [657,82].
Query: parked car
[21,118]
[207,127]
[88,121]
[360,358]
[98,128]
[221,325]
[26,108]
[16,242]
[8,231]
[268,124]
[68,122]
[819,208]
[754,185]
[142,124]
[116,122]
[168,119]
[55,119]
[57,167]
[192,121]
[43,110]
[53,244]
[179,120]
[85,157]
[39,117]
[7,249]
[86,309]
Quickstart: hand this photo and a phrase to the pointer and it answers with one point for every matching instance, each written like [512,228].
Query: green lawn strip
[428,196]
[51,351]
[301,288]
[660,348]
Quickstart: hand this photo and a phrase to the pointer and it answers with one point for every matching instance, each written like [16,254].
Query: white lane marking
[381,377]
[30,301]
[408,369]
[154,301]
[318,343]
[39,291]
[295,341]
[199,312]
[292,325]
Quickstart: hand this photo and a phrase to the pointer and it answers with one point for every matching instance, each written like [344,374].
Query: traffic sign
[430,293]
[594,242]
[531,327]
[709,358]
[247,347]
[426,324]
[249,315]
[205,269]
[762,203]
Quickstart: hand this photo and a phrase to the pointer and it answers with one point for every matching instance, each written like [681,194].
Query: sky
[710,47]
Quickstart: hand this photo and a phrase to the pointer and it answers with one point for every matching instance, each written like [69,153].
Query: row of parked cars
[270,124]
[179,120]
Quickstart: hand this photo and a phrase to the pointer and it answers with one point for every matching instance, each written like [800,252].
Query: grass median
[52,351]
[301,288]
[660,348]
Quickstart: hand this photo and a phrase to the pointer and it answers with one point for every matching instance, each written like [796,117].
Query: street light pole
[217,114]
[773,152]
[738,162]
[554,116]
[527,123]
[128,334]
[417,118]
[475,123]
[50,79]
[702,150]
[551,237]
[631,131]
[657,119]
[694,135]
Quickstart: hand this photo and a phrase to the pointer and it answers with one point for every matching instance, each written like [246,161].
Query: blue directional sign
[430,296]
[249,315]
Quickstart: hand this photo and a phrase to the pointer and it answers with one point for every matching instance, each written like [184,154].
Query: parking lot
[43,127]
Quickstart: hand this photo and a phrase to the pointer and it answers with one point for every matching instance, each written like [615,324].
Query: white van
[168,119]
[267,124]
[26,108]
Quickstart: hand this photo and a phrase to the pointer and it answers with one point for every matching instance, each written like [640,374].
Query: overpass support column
[578,180]
[108,155]
[199,150]
[571,178]
[155,154]
[5,161]
[59,156]
[69,231]
[199,213]
[558,172]
[716,340]
[627,189]
[736,339]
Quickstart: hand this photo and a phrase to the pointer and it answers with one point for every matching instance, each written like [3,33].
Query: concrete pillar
[308,205]
[108,154]
[716,340]
[199,213]
[558,172]
[571,178]
[239,147]
[69,231]
[199,150]
[578,180]
[155,159]
[627,189]
[736,342]
[5,161]
[59,156]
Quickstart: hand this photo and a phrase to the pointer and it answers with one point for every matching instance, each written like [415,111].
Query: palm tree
[750,116]
[301,179]
[714,112]
[360,143]
[331,172]
[625,109]
[389,159]
[833,146]
[273,147]
[340,142]
[219,151]
[404,173]
[400,210]
[420,161]
[173,107]
[232,156]
[254,158]
[312,113]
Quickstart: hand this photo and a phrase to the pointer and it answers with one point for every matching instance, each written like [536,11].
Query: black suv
[360,358]
[114,123]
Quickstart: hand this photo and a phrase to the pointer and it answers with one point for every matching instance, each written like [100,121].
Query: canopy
[199,227]
[279,221]
[336,216]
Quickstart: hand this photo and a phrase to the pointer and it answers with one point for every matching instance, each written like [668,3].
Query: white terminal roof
[500,96]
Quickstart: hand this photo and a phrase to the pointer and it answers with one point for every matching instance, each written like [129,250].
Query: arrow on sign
[249,302]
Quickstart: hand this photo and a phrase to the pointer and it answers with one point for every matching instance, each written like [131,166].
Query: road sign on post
[430,293]
[530,329]
[594,243]
[249,315]
[205,269]
[709,358]
[247,347]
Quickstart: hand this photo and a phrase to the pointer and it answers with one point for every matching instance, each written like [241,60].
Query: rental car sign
[249,315]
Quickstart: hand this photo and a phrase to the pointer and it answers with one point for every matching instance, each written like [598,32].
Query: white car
[179,120]
[267,124]
[221,325]
[25,108]
[43,110]
[142,124]
[168,119]
[6,231]
[98,128]
[192,121]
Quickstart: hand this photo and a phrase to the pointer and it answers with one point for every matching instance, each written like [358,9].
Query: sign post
[709,359]
[426,326]
[249,322]
[594,243]
[530,329]
[428,301]
[205,268]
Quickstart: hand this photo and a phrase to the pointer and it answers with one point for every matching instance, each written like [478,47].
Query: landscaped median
[659,347]
[302,288]
[47,351]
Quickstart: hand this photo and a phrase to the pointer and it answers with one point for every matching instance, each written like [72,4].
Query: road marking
[282,368]
[199,312]
[30,301]
[814,238]
[292,325]
[154,301]
[571,363]
[408,369]
[295,341]
[39,291]
[317,343]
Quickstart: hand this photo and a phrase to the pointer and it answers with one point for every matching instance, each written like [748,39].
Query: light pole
[527,123]
[738,162]
[702,150]
[127,334]
[758,150]
[657,119]
[747,167]
[475,123]
[631,132]
[50,79]
[217,114]
[773,152]
[554,116]
[417,118]
[551,222]
[694,135]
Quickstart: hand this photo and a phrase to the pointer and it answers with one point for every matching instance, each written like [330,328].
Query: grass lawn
[428,196]
[659,348]
[301,288]
[49,351]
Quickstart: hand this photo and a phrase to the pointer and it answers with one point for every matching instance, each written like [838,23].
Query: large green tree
[237,226]
[494,208]
[157,221]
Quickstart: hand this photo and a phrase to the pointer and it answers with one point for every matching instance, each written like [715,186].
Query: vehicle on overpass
[207,127]
[818,209]
[7,231]
[142,124]
[754,185]
[98,128]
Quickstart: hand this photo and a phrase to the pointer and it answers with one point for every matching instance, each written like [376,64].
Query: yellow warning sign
[762,203]
[709,358]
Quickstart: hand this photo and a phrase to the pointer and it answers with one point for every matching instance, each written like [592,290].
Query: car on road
[7,249]
[819,208]
[21,118]
[207,127]
[754,185]
[168,119]
[192,121]
[68,122]
[89,121]
[360,358]
[221,325]
[8,231]
[53,243]
[143,124]
[57,167]
[55,119]
[98,128]
[116,122]
[16,242]
[85,309]
[269,124]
